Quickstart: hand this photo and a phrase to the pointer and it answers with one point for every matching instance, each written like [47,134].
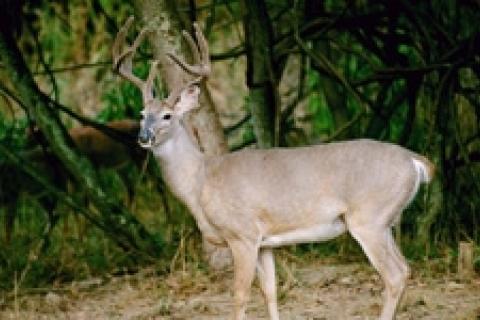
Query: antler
[123,61]
[200,54]
[201,57]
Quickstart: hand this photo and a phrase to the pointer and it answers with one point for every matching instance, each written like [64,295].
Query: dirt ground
[313,291]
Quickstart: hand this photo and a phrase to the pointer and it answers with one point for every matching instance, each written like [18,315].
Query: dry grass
[306,291]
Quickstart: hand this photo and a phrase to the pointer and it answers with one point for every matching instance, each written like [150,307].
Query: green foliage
[12,133]
[248,134]
[321,117]
[436,42]
[476,260]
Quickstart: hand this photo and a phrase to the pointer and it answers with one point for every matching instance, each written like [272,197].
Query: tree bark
[204,124]
[263,99]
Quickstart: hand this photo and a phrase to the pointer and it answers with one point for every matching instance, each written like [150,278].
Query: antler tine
[199,52]
[203,45]
[147,90]
[120,39]
[193,46]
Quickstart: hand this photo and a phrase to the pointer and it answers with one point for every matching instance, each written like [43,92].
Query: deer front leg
[266,277]
[244,254]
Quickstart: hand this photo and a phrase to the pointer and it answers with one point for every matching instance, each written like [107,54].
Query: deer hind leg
[266,277]
[378,244]
[245,255]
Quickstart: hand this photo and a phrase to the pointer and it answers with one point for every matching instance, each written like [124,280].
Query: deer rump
[305,193]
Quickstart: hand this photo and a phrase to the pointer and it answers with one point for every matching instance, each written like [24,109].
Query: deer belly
[315,233]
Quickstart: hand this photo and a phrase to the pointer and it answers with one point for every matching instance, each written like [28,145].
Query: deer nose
[144,136]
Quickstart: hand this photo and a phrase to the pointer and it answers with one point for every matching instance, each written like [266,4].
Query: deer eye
[167,116]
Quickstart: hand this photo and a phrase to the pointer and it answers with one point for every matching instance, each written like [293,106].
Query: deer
[256,200]
[110,150]
[104,151]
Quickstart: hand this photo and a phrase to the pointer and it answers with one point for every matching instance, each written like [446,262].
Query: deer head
[160,117]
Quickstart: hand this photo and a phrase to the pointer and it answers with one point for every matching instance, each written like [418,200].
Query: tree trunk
[204,124]
[263,99]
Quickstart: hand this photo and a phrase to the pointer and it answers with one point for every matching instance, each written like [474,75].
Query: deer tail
[425,168]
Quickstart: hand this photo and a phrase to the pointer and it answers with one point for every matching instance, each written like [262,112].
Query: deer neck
[182,165]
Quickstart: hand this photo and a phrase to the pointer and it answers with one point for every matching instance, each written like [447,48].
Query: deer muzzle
[145,138]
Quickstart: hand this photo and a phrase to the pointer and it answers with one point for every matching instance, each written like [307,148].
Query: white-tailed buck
[256,200]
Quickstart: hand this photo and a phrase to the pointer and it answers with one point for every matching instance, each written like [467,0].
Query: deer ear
[188,100]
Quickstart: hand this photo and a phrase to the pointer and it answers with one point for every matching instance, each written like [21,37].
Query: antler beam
[123,60]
